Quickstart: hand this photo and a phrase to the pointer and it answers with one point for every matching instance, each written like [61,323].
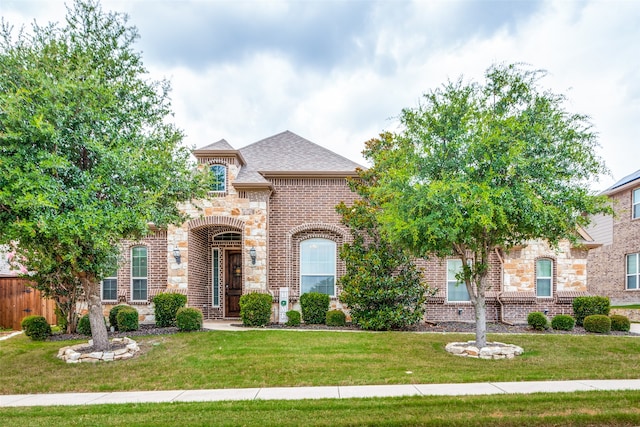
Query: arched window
[219,173]
[139,273]
[544,277]
[318,266]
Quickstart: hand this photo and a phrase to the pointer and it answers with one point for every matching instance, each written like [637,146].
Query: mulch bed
[442,327]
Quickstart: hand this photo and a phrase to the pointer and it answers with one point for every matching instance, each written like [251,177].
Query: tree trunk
[480,307]
[96,318]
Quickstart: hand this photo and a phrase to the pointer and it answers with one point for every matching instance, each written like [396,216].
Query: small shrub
[587,306]
[113,313]
[538,321]
[563,322]
[314,307]
[335,318]
[127,319]
[597,323]
[189,319]
[84,325]
[166,307]
[255,309]
[293,318]
[36,327]
[620,323]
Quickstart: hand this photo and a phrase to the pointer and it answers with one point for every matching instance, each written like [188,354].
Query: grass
[219,359]
[628,307]
[615,408]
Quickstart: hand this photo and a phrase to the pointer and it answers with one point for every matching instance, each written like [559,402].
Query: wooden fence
[18,300]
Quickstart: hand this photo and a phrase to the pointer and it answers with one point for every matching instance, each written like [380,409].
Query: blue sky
[338,72]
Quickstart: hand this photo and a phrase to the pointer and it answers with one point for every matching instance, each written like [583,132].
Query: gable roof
[289,154]
[219,145]
[622,184]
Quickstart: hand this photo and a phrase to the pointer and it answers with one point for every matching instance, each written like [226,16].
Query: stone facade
[621,237]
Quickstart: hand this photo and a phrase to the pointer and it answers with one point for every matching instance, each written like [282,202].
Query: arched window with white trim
[318,266]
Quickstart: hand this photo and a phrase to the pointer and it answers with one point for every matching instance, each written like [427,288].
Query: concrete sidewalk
[327,392]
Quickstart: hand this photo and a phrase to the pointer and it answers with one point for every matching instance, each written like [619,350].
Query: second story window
[635,208]
[219,173]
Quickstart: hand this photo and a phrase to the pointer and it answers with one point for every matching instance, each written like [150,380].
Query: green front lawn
[574,409]
[219,359]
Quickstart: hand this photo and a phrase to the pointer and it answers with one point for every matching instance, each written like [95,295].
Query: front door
[233,283]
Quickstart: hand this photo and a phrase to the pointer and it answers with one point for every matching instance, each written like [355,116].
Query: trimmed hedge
[113,313]
[620,323]
[255,309]
[538,321]
[166,307]
[189,319]
[293,318]
[335,318]
[127,319]
[587,306]
[597,323]
[563,322]
[36,327]
[314,307]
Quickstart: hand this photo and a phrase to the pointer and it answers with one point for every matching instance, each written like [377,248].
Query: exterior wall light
[252,254]
[176,254]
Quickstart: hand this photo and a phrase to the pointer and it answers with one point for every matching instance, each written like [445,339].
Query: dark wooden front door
[233,283]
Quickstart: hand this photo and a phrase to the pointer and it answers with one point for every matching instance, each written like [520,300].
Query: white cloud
[336,71]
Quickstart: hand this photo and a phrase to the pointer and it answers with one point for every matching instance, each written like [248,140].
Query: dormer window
[219,173]
[635,208]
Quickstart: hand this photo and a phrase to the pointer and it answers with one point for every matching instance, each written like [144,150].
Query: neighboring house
[614,268]
[270,223]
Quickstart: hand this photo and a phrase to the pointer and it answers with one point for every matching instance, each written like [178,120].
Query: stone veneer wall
[302,208]
[607,264]
[569,267]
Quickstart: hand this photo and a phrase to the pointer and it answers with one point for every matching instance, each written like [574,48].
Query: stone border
[493,350]
[70,354]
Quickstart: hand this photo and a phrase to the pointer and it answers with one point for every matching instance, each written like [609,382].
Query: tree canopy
[87,154]
[479,166]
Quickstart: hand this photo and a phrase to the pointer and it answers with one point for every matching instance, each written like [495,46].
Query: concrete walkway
[328,392]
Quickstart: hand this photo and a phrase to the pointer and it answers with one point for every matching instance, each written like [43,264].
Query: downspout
[501,289]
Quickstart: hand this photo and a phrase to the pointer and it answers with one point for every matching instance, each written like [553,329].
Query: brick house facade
[270,223]
[614,267]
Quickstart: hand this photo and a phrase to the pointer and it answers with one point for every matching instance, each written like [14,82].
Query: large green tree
[483,165]
[87,155]
[382,286]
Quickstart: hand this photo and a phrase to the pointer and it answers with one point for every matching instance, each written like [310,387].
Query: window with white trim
[633,272]
[456,290]
[635,208]
[215,294]
[219,173]
[109,285]
[544,277]
[139,279]
[318,266]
